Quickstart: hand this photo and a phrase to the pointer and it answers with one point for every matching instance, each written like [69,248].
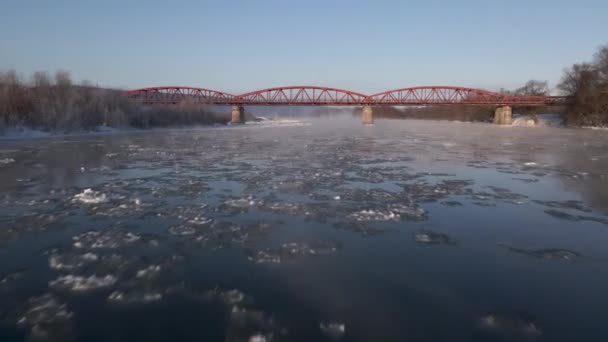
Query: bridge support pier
[238,114]
[503,115]
[367,116]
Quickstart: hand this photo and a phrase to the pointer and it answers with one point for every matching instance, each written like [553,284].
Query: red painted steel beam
[326,96]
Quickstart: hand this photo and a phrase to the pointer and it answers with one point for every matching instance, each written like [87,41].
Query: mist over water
[316,230]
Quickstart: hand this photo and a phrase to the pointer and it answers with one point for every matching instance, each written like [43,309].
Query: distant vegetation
[57,104]
[587,83]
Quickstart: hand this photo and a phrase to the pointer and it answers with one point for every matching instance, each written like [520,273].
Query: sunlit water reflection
[404,230]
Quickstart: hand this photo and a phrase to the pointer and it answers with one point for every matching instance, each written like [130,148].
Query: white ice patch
[241,202]
[88,196]
[258,338]
[530,164]
[181,230]
[333,330]
[82,284]
[134,297]
[148,272]
[423,237]
[107,239]
[408,211]
[374,215]
[200,220]
[6,161]
[44,315]
[233,297]
[71,262]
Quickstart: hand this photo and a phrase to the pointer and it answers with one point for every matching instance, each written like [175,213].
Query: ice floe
[81,284]
[89,196]
[109,239]
[430,237]
[509,323]
[333,330]
[134,297]
[46,318]
[69,262]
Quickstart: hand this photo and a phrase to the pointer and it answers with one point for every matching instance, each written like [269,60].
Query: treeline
[587,84]
[57,103]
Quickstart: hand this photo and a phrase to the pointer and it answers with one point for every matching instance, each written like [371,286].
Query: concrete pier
[238,114]
[503,115]
[367,116]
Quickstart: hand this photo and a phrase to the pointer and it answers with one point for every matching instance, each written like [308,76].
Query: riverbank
[20,133]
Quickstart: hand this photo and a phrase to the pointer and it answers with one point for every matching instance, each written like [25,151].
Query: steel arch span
[326,96]
[303,95]
[176,95]
[449,95]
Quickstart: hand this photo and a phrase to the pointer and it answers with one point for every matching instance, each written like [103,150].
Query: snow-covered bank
[21,132]
[18,133]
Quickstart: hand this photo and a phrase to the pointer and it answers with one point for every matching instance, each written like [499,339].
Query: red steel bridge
[325,96]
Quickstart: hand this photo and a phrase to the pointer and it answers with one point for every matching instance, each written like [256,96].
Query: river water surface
[322,231]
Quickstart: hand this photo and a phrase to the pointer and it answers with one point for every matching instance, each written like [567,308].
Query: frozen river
[329,230]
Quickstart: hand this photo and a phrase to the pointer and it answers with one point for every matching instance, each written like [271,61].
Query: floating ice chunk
[71,262]
[241,202]
[46,317]
[510,323]
[333,330]
[106,239]
[432,238]
[200,220]
[232,297]
[181,230]
[337,197]
[530,164]
[408,211]
[148,272]
[134,297]
[82,284]
[6,161]
[264,257]
[374,215]
[88,196]
[258,338]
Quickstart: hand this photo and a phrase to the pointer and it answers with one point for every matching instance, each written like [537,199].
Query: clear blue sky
[238,46]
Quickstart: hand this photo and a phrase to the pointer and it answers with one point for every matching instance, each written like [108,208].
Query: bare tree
[533,88]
